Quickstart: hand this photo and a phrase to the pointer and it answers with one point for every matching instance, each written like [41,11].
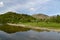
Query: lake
[30,34]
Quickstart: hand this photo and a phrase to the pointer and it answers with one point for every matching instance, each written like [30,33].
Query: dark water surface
[30,35]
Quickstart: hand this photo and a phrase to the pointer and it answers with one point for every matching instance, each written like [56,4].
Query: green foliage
[58,19]
[44,25]
[55,19]
[12,17]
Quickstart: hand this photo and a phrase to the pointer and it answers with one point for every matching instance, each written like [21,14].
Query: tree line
[13,17]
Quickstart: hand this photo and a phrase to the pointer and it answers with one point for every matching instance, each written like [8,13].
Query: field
[44,24]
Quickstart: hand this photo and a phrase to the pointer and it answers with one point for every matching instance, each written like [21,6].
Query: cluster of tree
[55,19]
[13,17]
[48,19]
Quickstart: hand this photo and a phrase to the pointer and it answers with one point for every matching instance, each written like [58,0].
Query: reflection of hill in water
[30,35]
[13,29]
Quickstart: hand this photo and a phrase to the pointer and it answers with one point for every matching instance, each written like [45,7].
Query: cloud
[1,4]
[32,9]
[28,3]
[11,8]
[14,5]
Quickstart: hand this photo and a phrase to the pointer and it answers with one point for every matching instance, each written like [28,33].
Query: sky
[48,7]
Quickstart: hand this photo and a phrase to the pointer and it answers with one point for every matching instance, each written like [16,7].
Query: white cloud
[12,8]
[29,5]
[33,4]
[32,9]
[1,4]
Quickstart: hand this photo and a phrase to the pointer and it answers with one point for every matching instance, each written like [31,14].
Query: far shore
[41,28]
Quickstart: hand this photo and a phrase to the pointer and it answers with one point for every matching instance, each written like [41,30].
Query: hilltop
[40,16]
[13,17]
[33,21]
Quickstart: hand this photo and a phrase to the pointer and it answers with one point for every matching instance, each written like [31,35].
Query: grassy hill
[40,16]
[13,17]
[36,20]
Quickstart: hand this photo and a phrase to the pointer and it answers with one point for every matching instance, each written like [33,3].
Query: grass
[13,29]
[44,24]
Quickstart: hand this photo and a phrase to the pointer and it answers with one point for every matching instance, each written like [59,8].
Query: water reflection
[13,29]
[20,33]
[30,35]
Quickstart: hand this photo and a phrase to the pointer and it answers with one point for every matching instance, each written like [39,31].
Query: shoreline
[32,27]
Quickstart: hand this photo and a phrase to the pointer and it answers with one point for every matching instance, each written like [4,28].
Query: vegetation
[34,20]
[46,21]
[12,29]
[44,24]
[12,17]
[40,16]
[55,19]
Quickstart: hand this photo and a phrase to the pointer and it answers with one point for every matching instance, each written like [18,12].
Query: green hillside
[13,17]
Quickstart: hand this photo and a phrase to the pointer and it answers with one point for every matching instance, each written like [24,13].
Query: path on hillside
[41,28]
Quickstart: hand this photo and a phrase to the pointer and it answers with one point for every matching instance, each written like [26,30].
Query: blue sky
[48,7]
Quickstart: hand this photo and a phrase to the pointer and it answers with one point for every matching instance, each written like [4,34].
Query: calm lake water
[30,35]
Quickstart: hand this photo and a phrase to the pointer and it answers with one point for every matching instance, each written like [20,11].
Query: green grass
[44,24]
